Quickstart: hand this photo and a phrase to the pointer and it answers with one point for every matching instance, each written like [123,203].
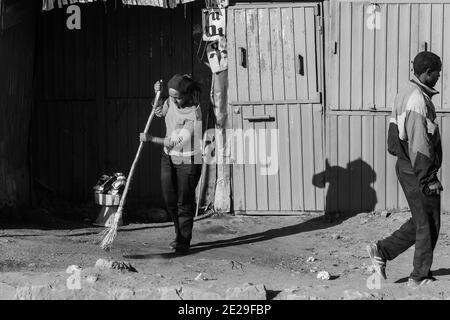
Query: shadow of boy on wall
[350,189]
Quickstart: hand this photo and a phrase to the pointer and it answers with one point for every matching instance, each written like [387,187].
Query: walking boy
[415,140]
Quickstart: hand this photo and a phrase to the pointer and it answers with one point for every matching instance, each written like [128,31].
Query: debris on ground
[114,264]
[73,268]
[236,265]
[370,269]
[204,277]
[385,213]
[200,276]
[311,259]
[323,275]
[91,279]
[335,236]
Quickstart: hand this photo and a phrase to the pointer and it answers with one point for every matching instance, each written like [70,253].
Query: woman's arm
[161,108]
[158,140]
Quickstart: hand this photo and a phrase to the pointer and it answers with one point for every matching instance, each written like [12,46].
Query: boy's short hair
[426,60]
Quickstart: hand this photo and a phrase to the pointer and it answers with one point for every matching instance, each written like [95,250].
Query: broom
[109,234]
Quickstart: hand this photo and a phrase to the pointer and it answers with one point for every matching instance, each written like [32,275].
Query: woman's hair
[192,87]
[184,84]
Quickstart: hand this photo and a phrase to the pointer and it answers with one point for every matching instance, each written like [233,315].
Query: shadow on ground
[436,273]
[357,173]
[317,223]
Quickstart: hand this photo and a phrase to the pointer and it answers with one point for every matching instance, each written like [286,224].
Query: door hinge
[319,23]
[319,26]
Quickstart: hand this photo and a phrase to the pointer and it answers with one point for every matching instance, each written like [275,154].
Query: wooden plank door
[275,103]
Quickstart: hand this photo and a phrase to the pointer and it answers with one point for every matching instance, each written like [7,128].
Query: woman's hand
[176,140]
[168,143]
[143,137]
[157,86]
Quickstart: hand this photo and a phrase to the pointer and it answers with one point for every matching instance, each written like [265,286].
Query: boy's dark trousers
[179,181]
[422,229]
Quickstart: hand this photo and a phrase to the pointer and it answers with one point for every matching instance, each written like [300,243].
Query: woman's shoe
[418,283]
[173,244]
[181,248]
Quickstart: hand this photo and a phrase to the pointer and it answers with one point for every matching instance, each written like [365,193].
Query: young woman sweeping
[181,157]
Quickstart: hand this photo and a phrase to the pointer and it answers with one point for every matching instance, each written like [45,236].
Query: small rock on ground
[323,275]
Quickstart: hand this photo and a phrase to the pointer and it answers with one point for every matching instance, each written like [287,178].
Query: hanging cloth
[51,4]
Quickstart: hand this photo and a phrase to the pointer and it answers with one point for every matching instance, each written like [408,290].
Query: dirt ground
[227,252]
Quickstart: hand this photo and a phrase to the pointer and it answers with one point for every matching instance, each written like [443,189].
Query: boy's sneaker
[418,283]
[378,262]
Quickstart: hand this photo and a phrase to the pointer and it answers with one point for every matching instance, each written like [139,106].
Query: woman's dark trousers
[179,181]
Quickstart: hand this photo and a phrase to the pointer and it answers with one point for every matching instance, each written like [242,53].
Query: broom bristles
[108,239]
[109,234]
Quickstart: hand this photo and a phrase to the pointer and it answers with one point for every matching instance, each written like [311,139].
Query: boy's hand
[433,188]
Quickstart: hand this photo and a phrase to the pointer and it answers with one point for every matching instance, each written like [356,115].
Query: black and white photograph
[225,155]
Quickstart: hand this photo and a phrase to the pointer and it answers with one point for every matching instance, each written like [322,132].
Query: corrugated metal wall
[274,72]
[16,101]
[365,69]
[370,65]
[95,92]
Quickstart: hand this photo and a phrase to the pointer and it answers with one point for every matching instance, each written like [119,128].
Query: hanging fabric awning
[157,3]
[50,4]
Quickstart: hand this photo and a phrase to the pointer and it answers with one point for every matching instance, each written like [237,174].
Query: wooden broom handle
[138,154]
